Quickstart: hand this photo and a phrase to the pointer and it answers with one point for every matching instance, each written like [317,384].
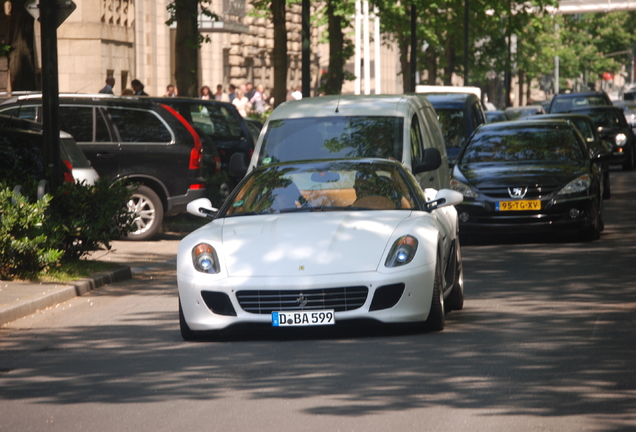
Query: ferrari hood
[307,244]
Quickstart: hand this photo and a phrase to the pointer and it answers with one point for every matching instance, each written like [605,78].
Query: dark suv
[568,101]
[132,140]
[459,114]
[221,129]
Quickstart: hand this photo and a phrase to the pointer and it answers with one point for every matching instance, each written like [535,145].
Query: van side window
[416,141]
[139,126]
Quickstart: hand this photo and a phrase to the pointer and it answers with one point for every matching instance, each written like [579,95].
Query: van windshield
[332,138]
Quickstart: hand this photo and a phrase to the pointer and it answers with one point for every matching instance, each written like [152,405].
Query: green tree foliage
[589,43]
[188,40]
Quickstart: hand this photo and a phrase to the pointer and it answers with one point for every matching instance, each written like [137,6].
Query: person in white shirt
[241,103]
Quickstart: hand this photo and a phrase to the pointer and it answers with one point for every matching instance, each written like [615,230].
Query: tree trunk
[432,65]
[335,74]
[21,57]
[522,78]
[403,45]
[451,59]
[187,48]
[279,54]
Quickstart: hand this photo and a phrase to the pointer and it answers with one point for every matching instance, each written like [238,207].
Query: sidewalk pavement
[19,299]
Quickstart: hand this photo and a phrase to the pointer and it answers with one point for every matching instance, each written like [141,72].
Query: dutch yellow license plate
[522,205]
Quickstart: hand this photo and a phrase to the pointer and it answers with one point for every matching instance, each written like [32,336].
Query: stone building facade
[129,39]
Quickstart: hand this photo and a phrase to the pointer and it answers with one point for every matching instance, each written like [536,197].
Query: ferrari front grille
[338,299]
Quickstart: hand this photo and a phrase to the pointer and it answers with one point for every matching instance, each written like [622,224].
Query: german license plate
[303,318]
[522,205]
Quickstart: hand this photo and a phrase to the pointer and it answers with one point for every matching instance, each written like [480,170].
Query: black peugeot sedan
[529,175]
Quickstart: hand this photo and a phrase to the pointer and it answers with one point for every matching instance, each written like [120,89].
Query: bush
[25,249]
[86,218]
[37,234]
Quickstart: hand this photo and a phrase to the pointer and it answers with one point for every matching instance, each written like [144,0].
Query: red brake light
[196,155]
[68,174]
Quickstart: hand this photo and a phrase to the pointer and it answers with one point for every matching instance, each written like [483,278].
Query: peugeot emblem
[517,192]
[302,300]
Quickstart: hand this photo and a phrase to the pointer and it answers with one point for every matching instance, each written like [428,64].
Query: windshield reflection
[322,187]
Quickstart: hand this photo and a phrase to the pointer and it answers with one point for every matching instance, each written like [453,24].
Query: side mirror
[602,132]
[601,156]
[201,207]
[238,167]
[431,160]
[444,198]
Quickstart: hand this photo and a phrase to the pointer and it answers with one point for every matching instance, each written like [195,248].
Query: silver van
[400,127]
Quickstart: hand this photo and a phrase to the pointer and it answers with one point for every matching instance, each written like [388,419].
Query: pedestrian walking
[110,83]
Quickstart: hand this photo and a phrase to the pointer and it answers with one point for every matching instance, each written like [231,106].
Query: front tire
[148,214]
[628,164]
[594,232]
[455,300]
[186,333]
[436,316]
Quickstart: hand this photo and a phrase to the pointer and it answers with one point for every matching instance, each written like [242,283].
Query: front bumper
[412,306]
[554,215]
[178,204]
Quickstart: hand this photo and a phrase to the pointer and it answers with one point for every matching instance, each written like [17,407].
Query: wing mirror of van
[238,167]
[431,160]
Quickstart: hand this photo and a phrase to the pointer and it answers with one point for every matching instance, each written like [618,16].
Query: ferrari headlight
[402,252]
[463,188]
[580,184]
[204,259]
[621,139]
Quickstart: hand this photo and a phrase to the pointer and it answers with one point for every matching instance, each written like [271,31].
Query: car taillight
[197,186]
[196,154]
[68,174]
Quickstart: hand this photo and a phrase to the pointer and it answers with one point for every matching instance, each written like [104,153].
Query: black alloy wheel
[147,209]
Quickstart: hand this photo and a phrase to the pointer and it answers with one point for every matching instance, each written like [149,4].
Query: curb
[65,292]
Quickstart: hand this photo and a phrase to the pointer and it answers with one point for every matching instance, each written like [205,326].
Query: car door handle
[106,155]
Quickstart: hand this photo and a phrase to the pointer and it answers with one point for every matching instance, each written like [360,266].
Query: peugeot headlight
[205,259]
[463,189]
[402,252]
[621,139]
[580,184]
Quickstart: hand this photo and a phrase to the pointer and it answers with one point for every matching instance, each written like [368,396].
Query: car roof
[352,161]
[104,99]
[456,98]
[185,100]
[579,94]
[567,116]
[597,108]
[538,120]
[349,105]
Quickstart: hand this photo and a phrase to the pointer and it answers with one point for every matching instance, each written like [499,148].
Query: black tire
[186,333]
[628,163]
[148,210]
[607,192]
[436,316]
[594,232]
[455,300]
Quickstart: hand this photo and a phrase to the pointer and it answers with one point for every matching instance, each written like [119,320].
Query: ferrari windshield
[335,137]
[544,144]
[323,186]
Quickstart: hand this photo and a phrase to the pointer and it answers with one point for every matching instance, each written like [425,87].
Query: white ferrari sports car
[322,242]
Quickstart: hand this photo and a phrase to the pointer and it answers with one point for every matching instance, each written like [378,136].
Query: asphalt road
[545,343]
